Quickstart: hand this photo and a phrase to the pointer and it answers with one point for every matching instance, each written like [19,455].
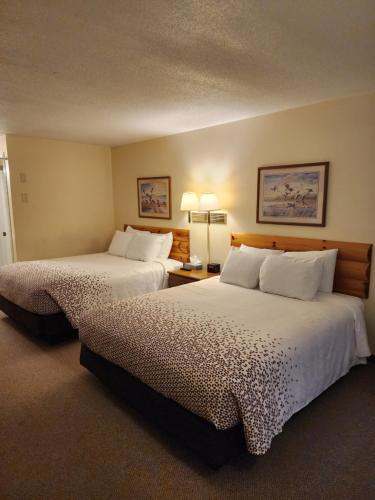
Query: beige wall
[3,146]
[70,200]
[225,159]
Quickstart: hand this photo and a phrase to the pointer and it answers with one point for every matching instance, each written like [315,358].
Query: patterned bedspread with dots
[209,363]
[47,287]
[231,354]
[79,283]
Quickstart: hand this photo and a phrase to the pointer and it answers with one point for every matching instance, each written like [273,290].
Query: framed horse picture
[154,197]
[293,194]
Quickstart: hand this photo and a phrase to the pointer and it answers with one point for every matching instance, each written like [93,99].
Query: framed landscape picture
[154,197]
[293,194]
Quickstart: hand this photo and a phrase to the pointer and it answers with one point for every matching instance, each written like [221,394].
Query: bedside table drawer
[178,280]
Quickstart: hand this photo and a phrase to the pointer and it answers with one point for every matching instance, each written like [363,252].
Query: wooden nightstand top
[194,275]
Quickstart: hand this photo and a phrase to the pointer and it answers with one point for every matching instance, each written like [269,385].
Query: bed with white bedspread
[75,284]
[228,360]
[48,296]
[231,354]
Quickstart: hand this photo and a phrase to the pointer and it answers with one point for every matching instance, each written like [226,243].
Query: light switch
[24,198]
[23,177]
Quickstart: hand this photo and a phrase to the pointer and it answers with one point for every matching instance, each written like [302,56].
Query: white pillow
[260,251]
[167,242]
[130,229]
[119,244]
[167,239]
[242,268]
[291,277]
[144,247]
[328,258]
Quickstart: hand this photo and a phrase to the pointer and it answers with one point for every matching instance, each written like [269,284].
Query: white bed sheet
[231,354]
[329,332]
[127,277]
[74,284]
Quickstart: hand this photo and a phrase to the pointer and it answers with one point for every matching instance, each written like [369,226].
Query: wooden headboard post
[181,240]
[353,265]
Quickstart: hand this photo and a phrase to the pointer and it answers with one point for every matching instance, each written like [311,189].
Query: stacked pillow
[144,247]
[328,259]
[141,245]
[120,243]
[242,265]
[295,278]
[292,274]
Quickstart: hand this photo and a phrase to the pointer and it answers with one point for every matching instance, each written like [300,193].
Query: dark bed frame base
[215,447]
[52,327]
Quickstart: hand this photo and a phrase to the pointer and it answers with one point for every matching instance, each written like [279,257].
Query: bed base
[215,447]
[53,328]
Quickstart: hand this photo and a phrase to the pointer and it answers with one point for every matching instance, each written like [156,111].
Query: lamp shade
[209,201]
[189,201]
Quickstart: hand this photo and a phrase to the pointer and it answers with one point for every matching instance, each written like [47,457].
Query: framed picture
[293,194]
[154,197]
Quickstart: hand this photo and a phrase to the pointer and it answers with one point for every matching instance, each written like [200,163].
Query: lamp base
[213,267]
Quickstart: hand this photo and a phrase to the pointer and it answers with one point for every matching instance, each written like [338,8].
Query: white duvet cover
[231,354]
[128,277]
[75,284]
[329,332]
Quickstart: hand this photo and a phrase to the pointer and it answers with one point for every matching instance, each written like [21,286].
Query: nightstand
[179,277]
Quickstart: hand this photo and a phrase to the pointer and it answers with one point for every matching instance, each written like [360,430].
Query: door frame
[5,164]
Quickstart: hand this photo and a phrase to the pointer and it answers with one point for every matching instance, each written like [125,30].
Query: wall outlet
[23,177]
[24,198]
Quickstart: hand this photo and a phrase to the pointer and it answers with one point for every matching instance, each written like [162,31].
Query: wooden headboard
[181,240]
[352,275]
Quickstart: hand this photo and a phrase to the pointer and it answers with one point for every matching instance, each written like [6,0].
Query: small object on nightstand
[194,265]
[188,266]
[213,268]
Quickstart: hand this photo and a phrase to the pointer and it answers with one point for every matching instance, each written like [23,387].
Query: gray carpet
[64,436]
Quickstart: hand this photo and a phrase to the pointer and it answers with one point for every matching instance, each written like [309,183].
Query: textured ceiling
[120,71]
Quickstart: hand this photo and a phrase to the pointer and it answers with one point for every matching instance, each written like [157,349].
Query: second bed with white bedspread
[75,284]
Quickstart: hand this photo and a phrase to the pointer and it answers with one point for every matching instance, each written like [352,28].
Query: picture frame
[295,195]
[154,197]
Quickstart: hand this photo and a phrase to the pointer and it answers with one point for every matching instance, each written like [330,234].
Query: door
[6,254]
